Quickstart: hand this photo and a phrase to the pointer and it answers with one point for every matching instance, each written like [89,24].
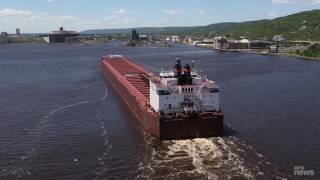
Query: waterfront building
[238,45]
[220,43]
[143,37]
[61,35]
[258,44]
[4,38]
[134,35]
[4,34]
[173,38]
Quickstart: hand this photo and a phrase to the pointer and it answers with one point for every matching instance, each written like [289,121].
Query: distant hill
[300,26]
[142,30]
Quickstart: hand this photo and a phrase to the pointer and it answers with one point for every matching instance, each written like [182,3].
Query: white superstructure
[183,90]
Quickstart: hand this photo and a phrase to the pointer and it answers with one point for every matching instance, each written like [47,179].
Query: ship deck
[134,74]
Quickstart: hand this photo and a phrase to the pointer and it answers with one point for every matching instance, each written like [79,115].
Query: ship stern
[191,126]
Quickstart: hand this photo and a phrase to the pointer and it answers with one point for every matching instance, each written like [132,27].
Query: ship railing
[171,110]
[155,79]
[173,115]
[184,114]
[183,110]
[211,113]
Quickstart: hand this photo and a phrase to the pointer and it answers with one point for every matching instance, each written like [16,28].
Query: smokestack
[178,67]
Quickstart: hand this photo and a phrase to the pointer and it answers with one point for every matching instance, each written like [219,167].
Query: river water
[59,118]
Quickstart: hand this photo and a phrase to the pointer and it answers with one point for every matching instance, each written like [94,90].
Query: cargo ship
[178,103]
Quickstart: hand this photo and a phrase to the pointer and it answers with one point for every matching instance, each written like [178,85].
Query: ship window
[214,90]
[191,89]
[163,92]
[167,97]
[165,104]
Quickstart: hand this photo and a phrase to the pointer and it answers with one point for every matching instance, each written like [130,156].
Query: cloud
[120,16]
[14,13]
[118,20]
[283,1]
[173,12]
[202,12]
[295,1]
[29,21]
[120,11]
[50,1]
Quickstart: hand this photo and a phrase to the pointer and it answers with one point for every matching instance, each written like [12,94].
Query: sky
[42,16]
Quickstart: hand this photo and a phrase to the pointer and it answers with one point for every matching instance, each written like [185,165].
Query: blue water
[60,119]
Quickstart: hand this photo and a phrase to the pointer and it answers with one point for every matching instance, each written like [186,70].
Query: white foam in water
[106,140]
[236,160]
[206,150]
[108,146]
[105,95]
[198,149]
[213,158]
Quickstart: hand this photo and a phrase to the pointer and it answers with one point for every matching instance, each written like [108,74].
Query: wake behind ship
[176,104]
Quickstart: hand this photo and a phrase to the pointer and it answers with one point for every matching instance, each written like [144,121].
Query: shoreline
[264,52]
[267,53]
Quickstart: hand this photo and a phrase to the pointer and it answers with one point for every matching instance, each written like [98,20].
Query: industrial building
[61,35]
[225,43]
[220,43]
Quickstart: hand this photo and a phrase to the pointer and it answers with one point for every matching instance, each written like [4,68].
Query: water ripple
[21,170]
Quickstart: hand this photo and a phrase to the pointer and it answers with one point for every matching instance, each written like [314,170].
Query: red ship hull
[131,83]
